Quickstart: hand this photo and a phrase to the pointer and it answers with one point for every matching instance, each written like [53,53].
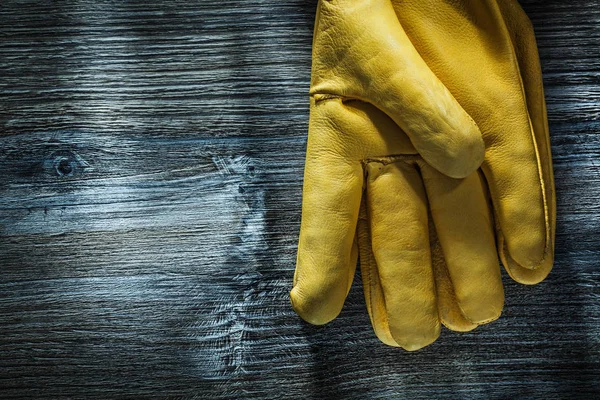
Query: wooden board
[151,159]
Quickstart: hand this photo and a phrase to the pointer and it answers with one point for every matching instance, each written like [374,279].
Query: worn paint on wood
[151,158]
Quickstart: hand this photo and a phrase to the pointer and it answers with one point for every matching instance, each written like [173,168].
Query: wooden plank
[151,159]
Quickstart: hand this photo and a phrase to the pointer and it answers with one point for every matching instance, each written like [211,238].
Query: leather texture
[375,185]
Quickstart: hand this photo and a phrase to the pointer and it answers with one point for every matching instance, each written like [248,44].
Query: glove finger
[361,51]
[465,230]
[397,210]
[449,312]
[331,199]
[374,298]
[524,44]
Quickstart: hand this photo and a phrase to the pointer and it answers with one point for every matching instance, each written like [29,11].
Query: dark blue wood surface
[151,158]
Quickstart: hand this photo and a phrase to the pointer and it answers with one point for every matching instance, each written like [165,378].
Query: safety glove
[398,260]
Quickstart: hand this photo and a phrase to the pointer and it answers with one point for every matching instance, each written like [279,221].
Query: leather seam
[386,160]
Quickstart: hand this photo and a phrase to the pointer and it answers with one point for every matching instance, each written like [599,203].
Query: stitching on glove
[385,160]
[319,97]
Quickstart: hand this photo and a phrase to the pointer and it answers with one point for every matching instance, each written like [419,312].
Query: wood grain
[151,158]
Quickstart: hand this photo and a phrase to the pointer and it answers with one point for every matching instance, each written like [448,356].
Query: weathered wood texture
[151,158]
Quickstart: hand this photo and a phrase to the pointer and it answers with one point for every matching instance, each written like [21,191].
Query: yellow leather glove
[349,138]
